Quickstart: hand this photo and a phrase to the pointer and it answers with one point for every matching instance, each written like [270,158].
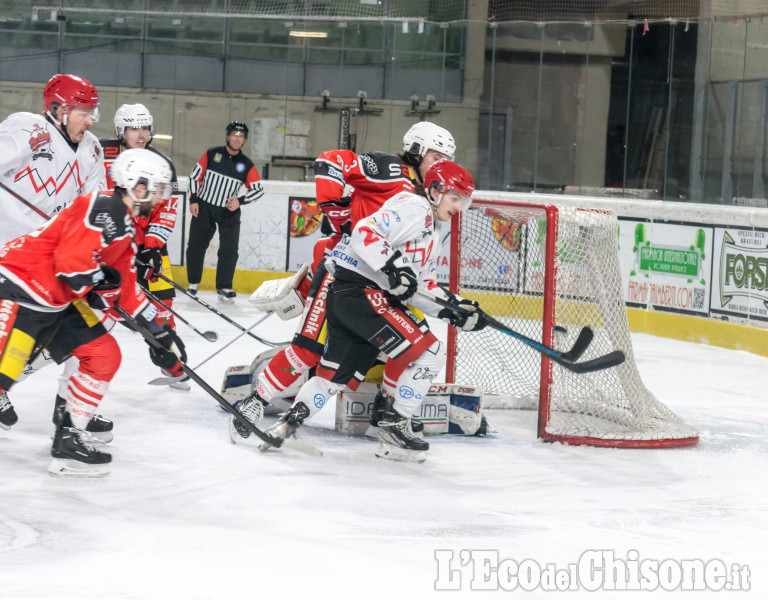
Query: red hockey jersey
[375,177]
[61,261]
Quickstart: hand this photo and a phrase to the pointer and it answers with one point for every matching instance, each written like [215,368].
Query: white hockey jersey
[406,222]
[39,165]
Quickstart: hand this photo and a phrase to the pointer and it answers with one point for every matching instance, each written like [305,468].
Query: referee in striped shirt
[223,179]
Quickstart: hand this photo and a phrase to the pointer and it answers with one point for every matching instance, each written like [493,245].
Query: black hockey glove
[149,263]
[402,279]
[467,316]
[106,293]
[173,348]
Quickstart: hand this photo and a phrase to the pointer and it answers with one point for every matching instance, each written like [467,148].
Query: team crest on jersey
[217,157]
[40,143]
[239,167]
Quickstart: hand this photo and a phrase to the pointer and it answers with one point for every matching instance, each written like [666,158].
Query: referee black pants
[201,232]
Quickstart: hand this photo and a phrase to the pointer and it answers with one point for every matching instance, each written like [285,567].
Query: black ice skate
[8,416]
[252,408]
[377,414]
[99,430]
[73,457]
[226,296]
[397,440]
[287,425]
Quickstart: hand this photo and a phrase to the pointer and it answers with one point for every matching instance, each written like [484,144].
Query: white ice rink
[187,515]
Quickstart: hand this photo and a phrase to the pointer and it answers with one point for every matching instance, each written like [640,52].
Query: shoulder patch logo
[105,221]
[40,143]
[217,157]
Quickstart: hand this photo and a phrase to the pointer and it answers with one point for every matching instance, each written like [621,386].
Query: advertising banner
[741,265]
[659,270]
[304,217]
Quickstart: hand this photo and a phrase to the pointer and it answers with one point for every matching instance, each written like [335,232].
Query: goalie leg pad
[465,415]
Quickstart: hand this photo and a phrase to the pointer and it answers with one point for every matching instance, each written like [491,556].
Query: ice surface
[185,514]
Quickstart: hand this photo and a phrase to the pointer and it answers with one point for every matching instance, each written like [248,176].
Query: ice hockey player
[85,252]
[134,129]
[46,161]
[388,256]
[374,178]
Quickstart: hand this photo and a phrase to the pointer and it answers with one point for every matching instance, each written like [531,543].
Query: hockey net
[547,271]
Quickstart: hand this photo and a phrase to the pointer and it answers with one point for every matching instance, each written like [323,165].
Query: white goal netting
[546,272]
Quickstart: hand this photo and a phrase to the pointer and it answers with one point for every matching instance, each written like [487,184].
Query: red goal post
[546,271]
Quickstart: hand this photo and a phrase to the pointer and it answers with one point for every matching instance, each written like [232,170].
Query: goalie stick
[276,442]
[184,291]
[170,380]
[211,336]
[566,359]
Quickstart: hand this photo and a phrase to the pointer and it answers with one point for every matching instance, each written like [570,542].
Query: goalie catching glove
[467,314]
[149,263]
[281,295]
[402,279]
[104,294]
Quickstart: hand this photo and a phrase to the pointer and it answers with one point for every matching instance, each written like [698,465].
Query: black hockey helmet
[237,126]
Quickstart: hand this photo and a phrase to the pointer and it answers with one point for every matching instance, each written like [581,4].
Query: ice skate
[397,441]
[287,425]
[8,416]
[99,430]
[226,296]
[192,289]
[74,457]
[252,408]
[377,413]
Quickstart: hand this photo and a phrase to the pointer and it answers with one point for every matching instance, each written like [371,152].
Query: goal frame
[548,320]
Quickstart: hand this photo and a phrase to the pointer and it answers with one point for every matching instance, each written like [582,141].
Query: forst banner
[740,285]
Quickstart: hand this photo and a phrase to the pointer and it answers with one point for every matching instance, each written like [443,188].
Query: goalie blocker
[449,408]
[283,296]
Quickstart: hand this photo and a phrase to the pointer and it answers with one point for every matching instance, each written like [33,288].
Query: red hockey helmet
[445,175]
[70,91]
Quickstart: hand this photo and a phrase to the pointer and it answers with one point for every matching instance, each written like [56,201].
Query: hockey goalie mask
[64,93]
[145,178]
[425,136]
[449,188]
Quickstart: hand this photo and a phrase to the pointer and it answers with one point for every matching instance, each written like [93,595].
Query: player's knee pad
[99,358]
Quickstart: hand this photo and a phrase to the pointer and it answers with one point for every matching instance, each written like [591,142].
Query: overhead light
[309,34]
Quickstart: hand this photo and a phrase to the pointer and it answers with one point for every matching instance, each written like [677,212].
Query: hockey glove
[402,279]
[106,293]
[467,316]
[173,348]
[149,263]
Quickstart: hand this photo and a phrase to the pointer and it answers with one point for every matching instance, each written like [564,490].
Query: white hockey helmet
[425,136]
[135,166]
[133,115]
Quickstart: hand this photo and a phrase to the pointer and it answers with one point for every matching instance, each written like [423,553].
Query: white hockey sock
[413,384]
[84,394]
[316,393]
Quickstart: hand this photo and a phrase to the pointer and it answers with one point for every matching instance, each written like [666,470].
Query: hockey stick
[27,203]
[276,442]
[184,291]
[169,380]
[211,336]
[566,359]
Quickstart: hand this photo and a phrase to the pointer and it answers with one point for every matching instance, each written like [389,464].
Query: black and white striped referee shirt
[219,175]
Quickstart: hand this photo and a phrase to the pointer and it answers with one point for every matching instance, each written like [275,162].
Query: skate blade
[180,385]
[397,454]
[64,467]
